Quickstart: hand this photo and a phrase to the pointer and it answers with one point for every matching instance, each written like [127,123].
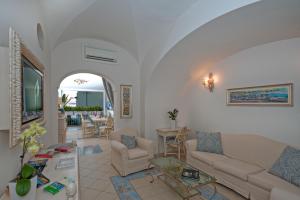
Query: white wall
[181,87]
[211,38]
[4,87]
[67,59]
[23,16]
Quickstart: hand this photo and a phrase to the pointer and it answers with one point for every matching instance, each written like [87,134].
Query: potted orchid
[173,115]
[24,186]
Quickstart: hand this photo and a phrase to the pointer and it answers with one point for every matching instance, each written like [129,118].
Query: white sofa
[244,165]
[280,194]
[127,161]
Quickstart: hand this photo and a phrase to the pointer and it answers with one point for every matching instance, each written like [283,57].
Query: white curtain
[108,91]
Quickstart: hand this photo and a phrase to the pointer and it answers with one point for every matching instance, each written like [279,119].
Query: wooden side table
[163,134]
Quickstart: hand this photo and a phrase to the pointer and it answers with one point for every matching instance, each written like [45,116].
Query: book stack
[62,148]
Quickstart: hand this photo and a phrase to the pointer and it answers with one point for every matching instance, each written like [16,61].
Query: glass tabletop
[173,168]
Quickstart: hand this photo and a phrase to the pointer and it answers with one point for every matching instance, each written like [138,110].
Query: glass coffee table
[170,173]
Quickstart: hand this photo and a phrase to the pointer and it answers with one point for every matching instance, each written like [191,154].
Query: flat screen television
[32,92]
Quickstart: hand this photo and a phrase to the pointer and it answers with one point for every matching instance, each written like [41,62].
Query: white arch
[90,72]
[198,15]
[185,25]
[67,59]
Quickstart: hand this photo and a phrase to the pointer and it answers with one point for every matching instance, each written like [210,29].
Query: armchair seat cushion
[208,158]
[137,153]
[237,168]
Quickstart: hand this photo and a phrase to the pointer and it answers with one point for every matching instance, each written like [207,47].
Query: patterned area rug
[126,190]
[90,150]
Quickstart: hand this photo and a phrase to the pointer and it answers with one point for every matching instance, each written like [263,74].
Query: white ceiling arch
[59,14]
[82,82]
[256,24]
[139,26]
[110,21]
[200,13]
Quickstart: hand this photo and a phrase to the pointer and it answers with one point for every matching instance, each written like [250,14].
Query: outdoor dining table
[98,121]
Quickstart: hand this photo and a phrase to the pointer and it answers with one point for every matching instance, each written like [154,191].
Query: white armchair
[127,161]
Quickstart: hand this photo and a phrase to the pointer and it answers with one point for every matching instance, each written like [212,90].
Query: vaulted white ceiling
[256,24]
[139,26]
[149,29]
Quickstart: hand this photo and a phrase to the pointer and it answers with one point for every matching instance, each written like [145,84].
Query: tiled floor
[74,133]
[95,173]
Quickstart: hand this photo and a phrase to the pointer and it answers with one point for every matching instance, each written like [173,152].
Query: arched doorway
[86,105]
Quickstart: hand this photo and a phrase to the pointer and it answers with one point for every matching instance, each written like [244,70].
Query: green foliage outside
[65,99]
[83,108]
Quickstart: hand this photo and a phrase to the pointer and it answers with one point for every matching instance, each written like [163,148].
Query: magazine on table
[65,163]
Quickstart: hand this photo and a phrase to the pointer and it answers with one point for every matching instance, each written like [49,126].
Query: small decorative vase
[173,124]
[31,194]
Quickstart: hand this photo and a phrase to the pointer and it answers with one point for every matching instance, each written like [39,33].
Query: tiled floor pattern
[73,133]
[95,173]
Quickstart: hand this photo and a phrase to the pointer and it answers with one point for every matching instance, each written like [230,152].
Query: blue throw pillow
[128,141]
[287,166]
[209,142]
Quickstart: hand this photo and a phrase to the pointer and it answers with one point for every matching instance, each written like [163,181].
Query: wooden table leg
[158,144]
[215,191]
[165,146]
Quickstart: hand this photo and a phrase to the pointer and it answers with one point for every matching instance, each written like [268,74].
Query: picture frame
[17,52]
[266,95]
[125,101]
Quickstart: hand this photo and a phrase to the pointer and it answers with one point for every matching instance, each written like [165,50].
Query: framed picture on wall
[126,101]
[267,95]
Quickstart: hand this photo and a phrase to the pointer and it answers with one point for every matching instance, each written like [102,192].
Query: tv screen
[32,97]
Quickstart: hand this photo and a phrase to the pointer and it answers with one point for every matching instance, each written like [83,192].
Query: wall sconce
[209,82]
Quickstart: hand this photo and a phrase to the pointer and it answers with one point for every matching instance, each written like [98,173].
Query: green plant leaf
[27,171]
[23,186]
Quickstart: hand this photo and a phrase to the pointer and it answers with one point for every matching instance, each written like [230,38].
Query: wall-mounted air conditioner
[100,55]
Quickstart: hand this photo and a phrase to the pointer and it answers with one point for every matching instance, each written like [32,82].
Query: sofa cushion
[252,148]
[209,142]
[279,194]
[287,166]
[237,168]
[208,158]
[136,153]
[268,181]
[128,141]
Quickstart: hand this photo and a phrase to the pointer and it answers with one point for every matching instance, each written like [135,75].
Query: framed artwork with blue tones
[267,95]
[126,101]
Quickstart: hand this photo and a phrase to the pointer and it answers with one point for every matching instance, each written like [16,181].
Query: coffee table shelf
[171,170]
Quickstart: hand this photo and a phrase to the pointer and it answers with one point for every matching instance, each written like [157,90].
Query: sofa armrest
[120,148]
[191,145]
[115,136]
[280,194]
[146,145]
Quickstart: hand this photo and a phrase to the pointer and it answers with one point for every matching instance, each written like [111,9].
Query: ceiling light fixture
[80,81]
